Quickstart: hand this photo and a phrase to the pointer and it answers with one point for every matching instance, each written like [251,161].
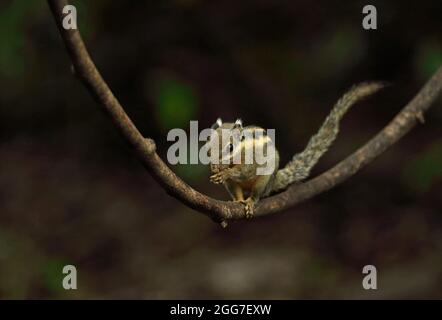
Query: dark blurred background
[72,192]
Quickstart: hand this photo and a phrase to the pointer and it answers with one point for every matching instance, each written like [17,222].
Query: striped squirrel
[241,179]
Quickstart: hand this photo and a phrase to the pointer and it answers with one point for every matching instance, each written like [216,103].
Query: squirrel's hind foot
[249,207]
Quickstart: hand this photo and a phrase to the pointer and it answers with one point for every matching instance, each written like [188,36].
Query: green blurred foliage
[16,19]
[84,16]
[18,258]
[192,172]
[176,102]
[428,58]
[12,34]
[52,274]
[337,51]
[425,169]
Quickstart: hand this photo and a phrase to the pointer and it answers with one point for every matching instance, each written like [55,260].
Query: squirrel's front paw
[249,206]
[219,178]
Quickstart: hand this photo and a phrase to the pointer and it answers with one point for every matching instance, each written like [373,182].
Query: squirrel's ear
[217,124]
[238,124]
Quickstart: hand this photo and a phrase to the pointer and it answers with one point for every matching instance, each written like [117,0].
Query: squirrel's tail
[300,166]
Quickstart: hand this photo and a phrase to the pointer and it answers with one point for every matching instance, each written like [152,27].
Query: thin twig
[218,210]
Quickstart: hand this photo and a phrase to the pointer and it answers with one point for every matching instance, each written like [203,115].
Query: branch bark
[218,210]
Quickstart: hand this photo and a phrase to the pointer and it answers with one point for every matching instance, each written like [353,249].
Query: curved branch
[225,210]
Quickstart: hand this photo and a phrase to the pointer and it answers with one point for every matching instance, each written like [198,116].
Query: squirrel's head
[226,139]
